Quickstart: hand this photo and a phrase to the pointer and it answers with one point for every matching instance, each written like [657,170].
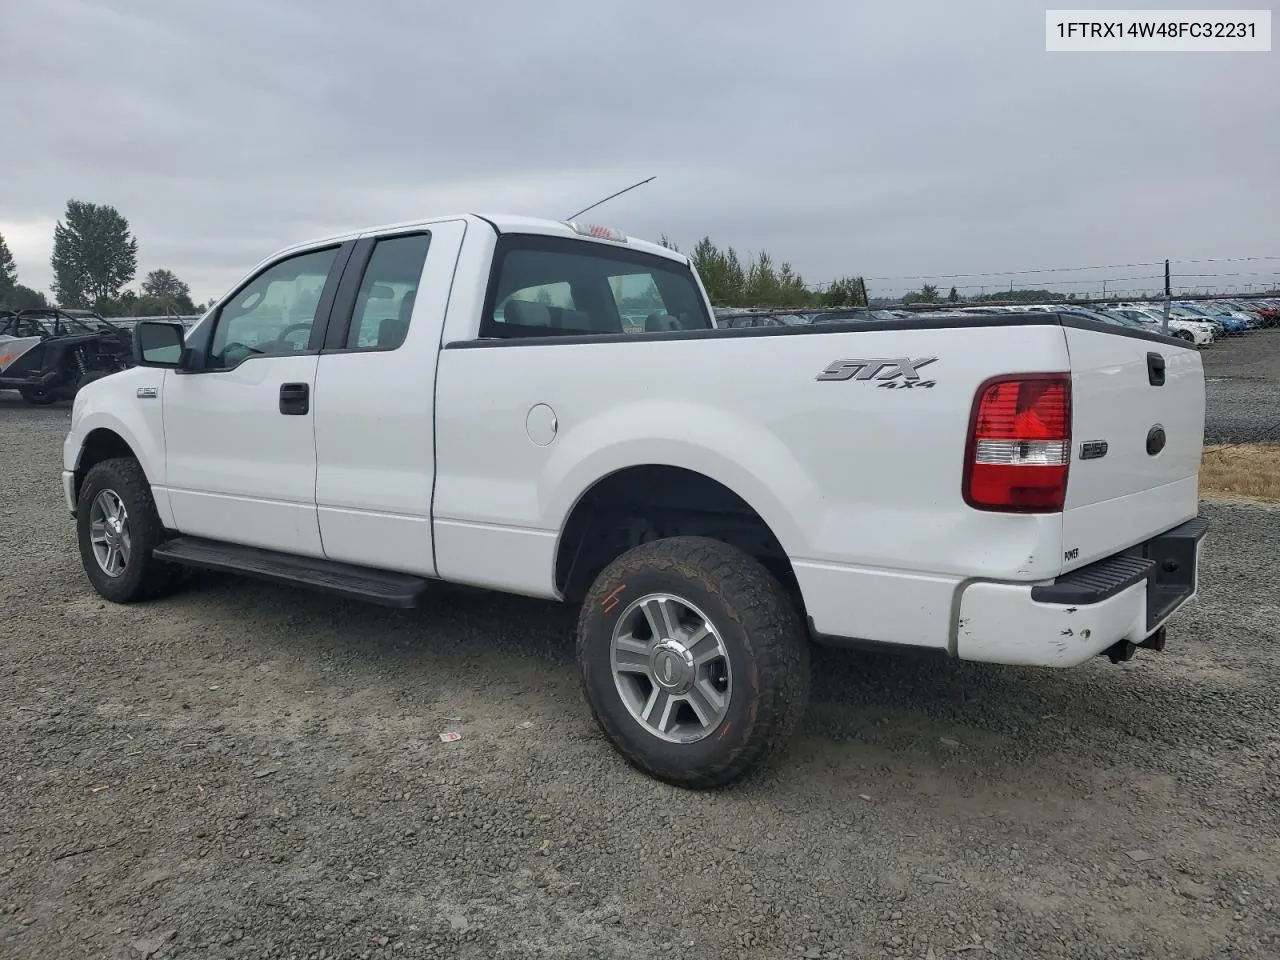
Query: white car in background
[1201,334]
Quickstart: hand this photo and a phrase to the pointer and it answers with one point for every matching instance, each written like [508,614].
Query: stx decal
[867,369]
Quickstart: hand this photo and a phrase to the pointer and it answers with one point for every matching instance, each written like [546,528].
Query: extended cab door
[239,424]
[375,399]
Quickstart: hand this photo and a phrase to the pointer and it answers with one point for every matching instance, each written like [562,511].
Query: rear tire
[1184,335]
[37,396]
[118,526]
[719,687]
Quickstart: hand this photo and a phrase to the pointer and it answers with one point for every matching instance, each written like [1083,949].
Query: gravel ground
[249,771]
[1243,376]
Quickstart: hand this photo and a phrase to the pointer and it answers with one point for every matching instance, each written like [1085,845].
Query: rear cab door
[375,397]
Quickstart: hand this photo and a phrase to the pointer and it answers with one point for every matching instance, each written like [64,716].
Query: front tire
[694,661]
[118,526]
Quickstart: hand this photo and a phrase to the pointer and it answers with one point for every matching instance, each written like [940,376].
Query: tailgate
[1137,432]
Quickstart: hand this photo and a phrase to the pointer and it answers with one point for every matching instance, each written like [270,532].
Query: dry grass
[1248,470]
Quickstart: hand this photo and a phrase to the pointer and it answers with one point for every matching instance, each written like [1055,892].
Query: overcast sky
[884,139]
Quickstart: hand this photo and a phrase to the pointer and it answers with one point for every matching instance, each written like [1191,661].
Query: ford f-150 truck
[471,399]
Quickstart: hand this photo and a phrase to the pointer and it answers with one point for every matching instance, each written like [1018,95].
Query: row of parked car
[1198,322]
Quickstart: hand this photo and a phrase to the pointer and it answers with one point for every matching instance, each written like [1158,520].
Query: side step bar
[343,579]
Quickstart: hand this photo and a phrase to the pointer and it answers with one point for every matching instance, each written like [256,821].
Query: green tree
[762,288]
[1022,296]
[760,283]
[124,305]
[8,270]
[953,296]
[723,281]
[164,283]
[174,295]
[845,292]
[926,294]
[94,255]
[791,288]
[23,298]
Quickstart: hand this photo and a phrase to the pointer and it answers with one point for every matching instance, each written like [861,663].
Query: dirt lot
[250,771]
[1243,375]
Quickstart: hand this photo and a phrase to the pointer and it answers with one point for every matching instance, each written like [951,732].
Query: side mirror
[158,344]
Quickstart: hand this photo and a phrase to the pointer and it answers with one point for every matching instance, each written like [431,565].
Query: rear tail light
[1019,446]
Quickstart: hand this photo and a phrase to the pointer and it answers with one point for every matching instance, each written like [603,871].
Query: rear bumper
[1123,598]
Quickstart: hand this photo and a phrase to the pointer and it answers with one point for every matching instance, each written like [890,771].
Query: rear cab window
[554,286]
[388,291]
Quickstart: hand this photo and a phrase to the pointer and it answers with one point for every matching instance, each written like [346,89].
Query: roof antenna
[611,196]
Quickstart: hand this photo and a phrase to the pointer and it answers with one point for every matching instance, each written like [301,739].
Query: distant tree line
[95,258]
[758,281]
[928,293]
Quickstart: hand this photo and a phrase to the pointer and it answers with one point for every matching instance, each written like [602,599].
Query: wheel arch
[640,502]
[99,444]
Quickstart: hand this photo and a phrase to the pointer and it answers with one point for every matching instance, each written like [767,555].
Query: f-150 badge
[889,371]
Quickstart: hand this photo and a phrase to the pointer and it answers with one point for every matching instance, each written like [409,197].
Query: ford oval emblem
[1155,440]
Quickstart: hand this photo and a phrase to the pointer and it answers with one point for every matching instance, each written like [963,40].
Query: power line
[1059,283]
[1269,273]
[1023,273]
[1225,260]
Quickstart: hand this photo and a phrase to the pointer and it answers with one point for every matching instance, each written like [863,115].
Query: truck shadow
[900,705]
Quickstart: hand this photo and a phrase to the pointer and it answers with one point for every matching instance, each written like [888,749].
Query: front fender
[123,403]
[741,455]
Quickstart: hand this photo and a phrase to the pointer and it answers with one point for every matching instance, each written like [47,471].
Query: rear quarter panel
[847,473]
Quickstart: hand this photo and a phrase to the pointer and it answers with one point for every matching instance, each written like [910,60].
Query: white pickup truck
[459,399]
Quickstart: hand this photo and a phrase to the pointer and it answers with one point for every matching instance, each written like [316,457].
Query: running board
[342,579]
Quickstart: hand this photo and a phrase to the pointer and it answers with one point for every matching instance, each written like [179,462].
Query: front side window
[388,292]
[274,313]
[548,286]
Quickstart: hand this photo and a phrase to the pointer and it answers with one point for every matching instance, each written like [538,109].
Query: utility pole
[1168,299]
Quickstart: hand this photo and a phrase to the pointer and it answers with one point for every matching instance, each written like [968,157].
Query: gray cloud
[908,138]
